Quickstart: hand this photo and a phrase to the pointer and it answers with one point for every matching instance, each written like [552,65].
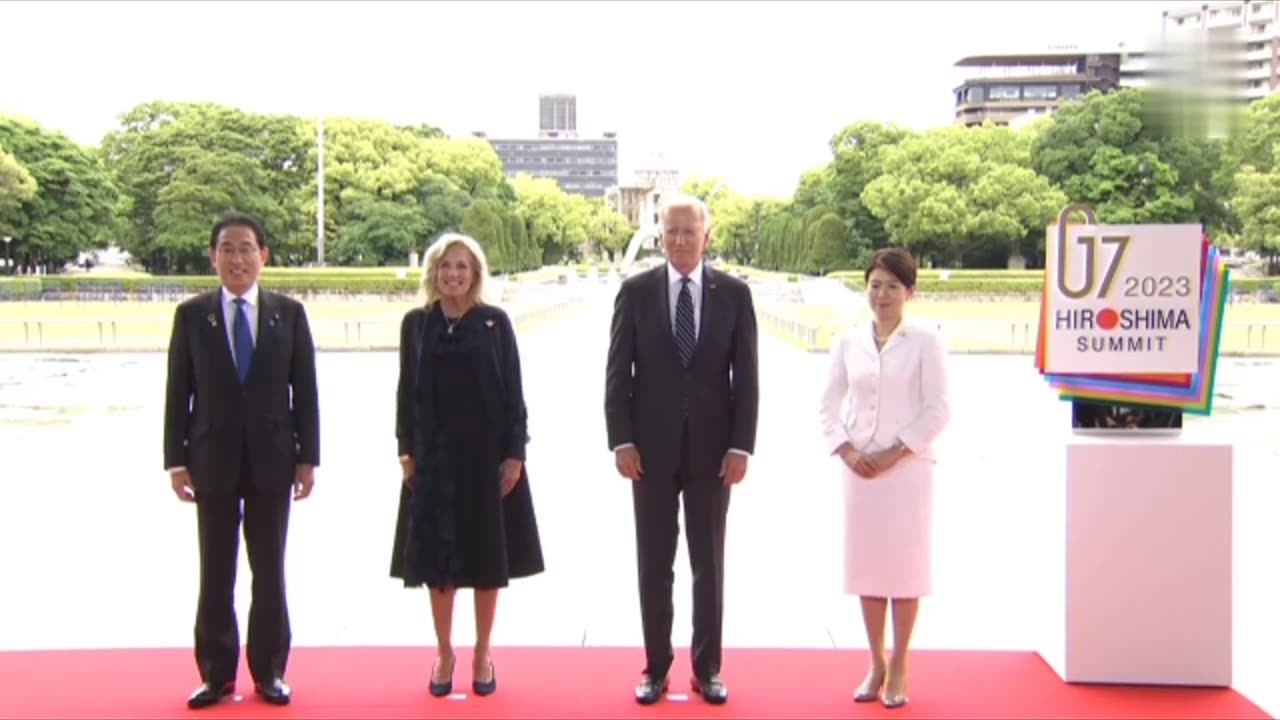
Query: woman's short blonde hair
[431,267]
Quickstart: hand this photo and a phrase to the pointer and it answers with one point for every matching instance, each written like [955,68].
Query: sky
[749,92]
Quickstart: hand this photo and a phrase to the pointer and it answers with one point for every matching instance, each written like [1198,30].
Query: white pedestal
[1142,593]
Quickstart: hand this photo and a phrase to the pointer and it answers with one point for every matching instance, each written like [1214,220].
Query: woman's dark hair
[895,261]
[235,219]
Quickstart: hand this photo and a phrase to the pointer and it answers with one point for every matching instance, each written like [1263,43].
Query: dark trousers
[656,501]
[266,525]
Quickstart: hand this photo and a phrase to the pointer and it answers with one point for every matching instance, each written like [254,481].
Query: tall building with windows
[1223,53]
[580,166]
[1006,87]
[557,116]
[1233,45]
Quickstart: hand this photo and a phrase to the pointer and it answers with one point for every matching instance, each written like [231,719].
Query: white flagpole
[320,194]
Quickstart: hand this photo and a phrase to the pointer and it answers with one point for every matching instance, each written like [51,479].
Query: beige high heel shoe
[893,700]
[869,690]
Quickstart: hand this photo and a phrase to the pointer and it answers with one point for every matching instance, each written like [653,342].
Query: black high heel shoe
[488,687]
[441,689]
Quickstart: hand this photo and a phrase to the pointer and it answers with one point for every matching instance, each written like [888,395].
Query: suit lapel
[866,340]
[662,284]
[900,338]
[710,293]
[213,324]
[264,345]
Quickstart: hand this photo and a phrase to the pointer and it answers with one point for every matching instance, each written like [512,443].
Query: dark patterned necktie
[243,336]
[686,337]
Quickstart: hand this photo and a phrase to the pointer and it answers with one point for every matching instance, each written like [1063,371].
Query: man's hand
[182,485]
[407,469]
[510,474]
[733,468]
[304,478]
[627,460]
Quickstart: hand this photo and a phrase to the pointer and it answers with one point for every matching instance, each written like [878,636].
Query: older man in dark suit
[681,398]
[241,432]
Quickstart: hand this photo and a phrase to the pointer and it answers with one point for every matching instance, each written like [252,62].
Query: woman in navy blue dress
[466,515]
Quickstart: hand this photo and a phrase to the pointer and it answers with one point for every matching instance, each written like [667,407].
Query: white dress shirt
[695,291]
[229,315]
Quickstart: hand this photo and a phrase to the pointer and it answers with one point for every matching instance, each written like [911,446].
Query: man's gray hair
[684,202]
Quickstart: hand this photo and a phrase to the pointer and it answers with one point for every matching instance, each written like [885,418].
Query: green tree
[380,232]
[557,221]
[482,222]
[73,207]
[1112,151]
[859,154]
[954,193]
[523,254]
[828,251]
[17,186]
[1257,201]
[181,165]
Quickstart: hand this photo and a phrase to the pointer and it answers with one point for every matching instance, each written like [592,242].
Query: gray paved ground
[98,553]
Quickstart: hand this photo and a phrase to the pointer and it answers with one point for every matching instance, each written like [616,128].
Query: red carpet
[582,683]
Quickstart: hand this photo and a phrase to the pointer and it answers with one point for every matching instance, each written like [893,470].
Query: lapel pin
[488,323]
[274,320]
[213,320]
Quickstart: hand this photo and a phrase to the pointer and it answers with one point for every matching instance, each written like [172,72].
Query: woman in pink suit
[891,377]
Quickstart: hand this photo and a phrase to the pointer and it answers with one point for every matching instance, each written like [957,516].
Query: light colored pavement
[98,552]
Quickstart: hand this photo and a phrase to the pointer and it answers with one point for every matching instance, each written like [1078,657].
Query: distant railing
[1001,336]
[146,334]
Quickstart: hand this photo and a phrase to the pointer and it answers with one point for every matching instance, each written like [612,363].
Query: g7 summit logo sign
[1123,299]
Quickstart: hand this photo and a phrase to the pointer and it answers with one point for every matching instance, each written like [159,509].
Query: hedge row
[56,286]
[984,286]
[356,284]
[1003,275]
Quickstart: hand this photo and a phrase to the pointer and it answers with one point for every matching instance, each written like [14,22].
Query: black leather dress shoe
[275,692]
[651,689]
[210,694]
[712,689]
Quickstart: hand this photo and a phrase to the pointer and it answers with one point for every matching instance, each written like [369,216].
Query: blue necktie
[686,336]
[243,335]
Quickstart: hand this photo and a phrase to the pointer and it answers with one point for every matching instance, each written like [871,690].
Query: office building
[1008,87]
[580,166]
[1233,47]
[557,116]
[1223,53]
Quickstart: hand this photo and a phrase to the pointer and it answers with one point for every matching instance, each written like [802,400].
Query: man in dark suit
[241,428]
[681,396]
